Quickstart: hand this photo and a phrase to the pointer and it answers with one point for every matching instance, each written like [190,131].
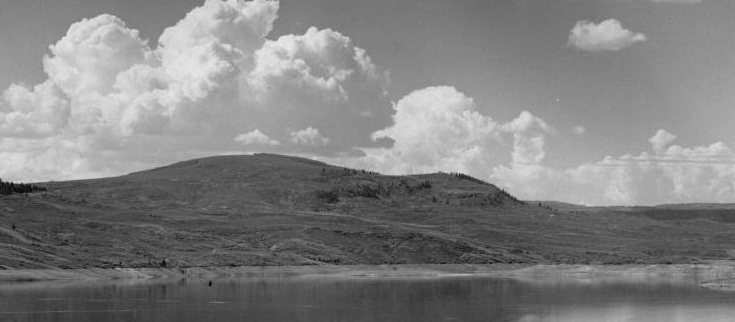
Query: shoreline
[718,275]
[306,271]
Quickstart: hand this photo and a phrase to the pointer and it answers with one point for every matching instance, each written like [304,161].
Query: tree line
[9,188]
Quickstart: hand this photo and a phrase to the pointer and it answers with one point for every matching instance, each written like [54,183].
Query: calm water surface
[354,300]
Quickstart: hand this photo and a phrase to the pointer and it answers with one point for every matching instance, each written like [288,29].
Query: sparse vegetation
[424,185]
[345,172]
[367,191]
[545,206]
[414,188]
[230,210]
[469,178]
[512,197]
[328,196]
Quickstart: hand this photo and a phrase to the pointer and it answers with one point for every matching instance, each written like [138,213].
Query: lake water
[354,300]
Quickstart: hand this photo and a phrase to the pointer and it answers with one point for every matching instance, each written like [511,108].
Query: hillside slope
[278,210]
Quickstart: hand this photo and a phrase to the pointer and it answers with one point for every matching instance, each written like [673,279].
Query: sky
[597,102]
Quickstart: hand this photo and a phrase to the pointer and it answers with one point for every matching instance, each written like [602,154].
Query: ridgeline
[278,210]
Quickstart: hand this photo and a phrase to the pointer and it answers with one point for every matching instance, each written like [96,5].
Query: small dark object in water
[210,283]
[163,263]
[13,226]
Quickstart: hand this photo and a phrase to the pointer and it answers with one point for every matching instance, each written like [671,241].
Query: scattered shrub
[366,191]
[328,196]
[414,188]
[469,178]
[424,185]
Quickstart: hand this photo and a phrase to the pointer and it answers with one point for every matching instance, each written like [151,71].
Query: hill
[276,210]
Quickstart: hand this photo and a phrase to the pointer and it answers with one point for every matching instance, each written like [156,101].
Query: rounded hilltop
[267,209]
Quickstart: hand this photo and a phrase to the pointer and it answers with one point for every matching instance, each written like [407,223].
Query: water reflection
[448,299]
[626,313]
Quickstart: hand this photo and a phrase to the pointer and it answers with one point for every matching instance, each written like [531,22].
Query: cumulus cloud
[211,77]
[608,35]
[435,128]
[255,137]
[213,42]
[214,82]
[322,78]
[526,171]
[529,136]
[93,52]
[661,140]
[671,174]
[441,129]
[33,112]
[308,136]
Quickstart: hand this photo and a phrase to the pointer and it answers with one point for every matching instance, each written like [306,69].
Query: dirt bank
[715,274]
[256,272]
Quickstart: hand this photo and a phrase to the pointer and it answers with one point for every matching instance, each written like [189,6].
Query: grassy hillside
[277,210]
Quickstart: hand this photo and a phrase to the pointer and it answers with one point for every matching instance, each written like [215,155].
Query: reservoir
[368,299]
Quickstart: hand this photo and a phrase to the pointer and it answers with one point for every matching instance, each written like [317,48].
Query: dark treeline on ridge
[9,188]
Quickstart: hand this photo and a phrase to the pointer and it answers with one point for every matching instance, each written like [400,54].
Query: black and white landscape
[323,160]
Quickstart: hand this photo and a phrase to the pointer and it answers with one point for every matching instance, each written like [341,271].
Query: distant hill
[270,209]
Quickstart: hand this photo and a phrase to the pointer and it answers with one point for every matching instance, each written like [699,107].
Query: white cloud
[700,174]
[529,136]
[661,140]
[672,174]
[608,35]
[435,128]
[255,137]
[213,42]
[308,136]
[318,79]
[441,129]
[92,53]
[211,77]
[525,170]
[37,112]
[113,103]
